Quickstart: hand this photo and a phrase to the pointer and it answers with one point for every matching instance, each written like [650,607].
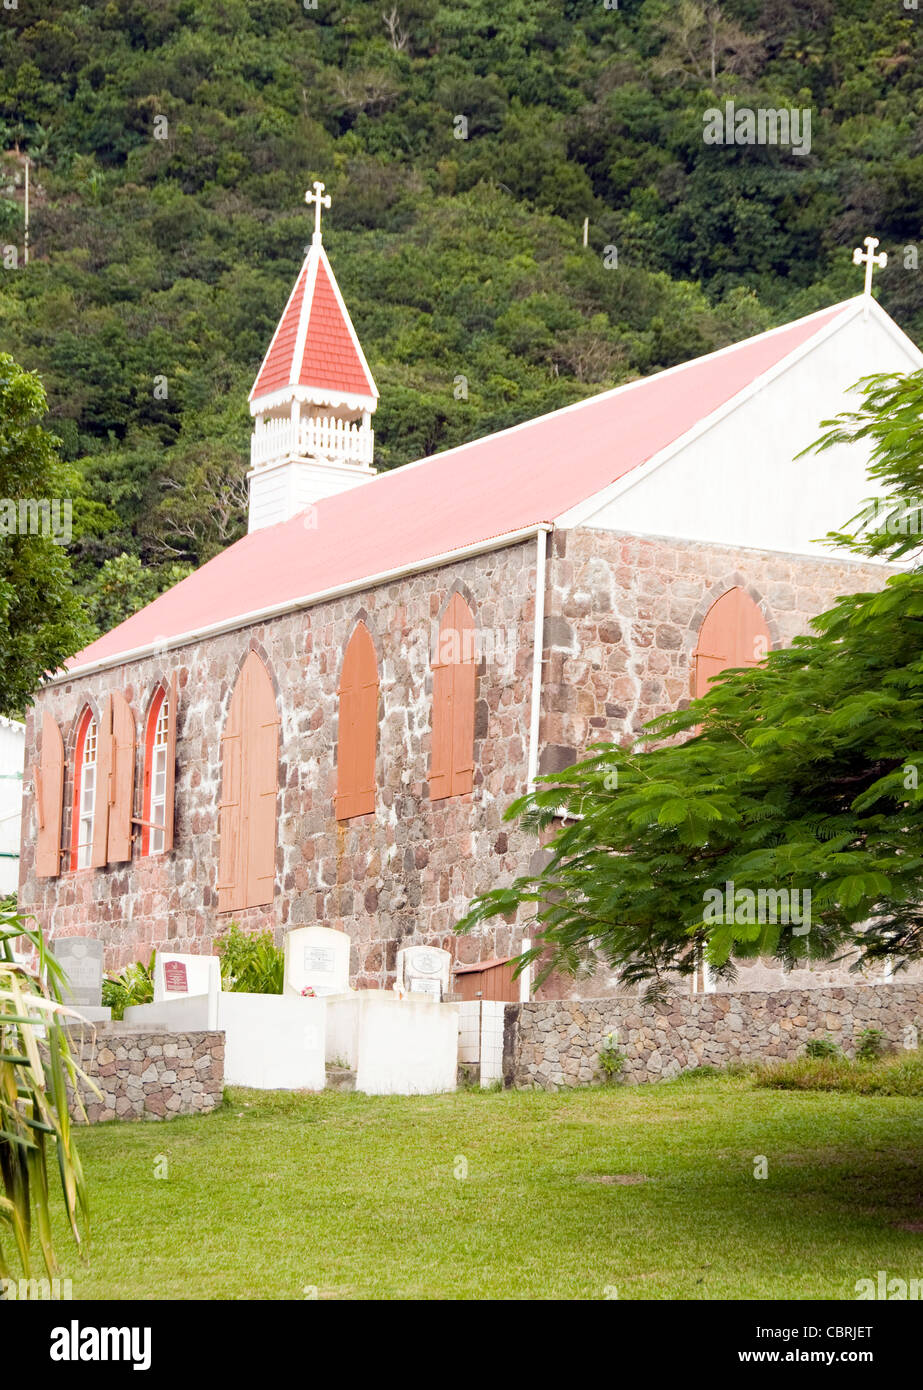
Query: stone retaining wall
[556,1043]
[151,1076]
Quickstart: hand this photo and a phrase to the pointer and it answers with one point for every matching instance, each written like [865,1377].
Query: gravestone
[316,958]
[177,976]
[423,970]
[81,959]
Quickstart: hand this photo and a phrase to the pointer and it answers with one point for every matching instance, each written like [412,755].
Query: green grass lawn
[357,1196]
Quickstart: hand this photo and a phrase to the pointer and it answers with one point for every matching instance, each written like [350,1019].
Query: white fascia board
[579,515]
[279,610]
[897,333]
[853,309]
[311,395]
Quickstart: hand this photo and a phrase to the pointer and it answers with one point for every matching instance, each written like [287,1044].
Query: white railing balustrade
[327,438]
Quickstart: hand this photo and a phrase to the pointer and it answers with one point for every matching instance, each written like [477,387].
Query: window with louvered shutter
[121,780]
[733,634]
[357,733]
[48,782]
[159,772]
[454,682]
[249,783]
[86,782]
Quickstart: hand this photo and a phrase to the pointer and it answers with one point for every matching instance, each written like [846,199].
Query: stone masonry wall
[556,1043]
[625,613]
[402,874]
[149,1075]
[622,619]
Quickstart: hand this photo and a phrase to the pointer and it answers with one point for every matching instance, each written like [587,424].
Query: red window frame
[153,717]
[86,720]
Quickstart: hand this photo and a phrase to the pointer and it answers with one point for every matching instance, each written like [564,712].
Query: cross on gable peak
[870,260]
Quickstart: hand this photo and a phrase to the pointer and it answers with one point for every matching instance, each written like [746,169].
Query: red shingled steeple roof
[315,345]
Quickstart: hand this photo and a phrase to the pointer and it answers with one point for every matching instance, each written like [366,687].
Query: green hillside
[172,142]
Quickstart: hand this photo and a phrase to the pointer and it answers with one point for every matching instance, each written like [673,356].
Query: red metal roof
[316,318]
[503,483]
[480,965]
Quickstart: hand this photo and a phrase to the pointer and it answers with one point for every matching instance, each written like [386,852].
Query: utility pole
[25,249]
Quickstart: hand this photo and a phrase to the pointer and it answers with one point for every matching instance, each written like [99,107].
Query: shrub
[822,1047]
[250,964]
[611,1060]
[871,1044]
[135,985]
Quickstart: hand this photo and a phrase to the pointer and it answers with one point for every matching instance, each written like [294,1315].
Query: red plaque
[174,977]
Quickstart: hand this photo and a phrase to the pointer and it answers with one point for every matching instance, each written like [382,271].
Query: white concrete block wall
[12,748]
[492,1013]
[469,1032]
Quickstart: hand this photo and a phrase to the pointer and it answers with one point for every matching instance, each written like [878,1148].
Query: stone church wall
[405,872]
[624,618]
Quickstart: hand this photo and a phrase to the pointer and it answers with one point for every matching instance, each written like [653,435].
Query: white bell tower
[313,397]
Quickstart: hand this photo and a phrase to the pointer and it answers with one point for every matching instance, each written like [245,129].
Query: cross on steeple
[869,260]
[322,200]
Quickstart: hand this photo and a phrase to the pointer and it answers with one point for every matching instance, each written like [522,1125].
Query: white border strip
[278,610]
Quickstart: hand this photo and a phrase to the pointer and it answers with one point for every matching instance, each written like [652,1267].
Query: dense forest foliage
[172,141]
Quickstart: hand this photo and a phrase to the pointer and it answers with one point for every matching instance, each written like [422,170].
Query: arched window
[159,771]
[357,734]
[733,634]
[249,782]
[85,789]
[454,674]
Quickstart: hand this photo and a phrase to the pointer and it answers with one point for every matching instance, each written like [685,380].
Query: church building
[326,722]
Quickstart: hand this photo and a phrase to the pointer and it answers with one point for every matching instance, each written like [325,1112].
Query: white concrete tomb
[177,976]
[316,958]
[423,970]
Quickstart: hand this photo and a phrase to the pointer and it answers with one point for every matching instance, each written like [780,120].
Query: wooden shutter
[121,779]
[169,793]
[733,634]
[454,682]
[104,790]
[249,783]
[440,767]
[231,891]
[358,727]
[261,759]
[48,778]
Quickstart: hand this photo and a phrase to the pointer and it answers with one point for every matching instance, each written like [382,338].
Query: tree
[699,43]
[123,585]
[801,777]
[41,622]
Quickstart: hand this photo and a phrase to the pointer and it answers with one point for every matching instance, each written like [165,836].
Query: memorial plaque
[316,961]
[81,959]
[431,987]
[320,959]
[175,980]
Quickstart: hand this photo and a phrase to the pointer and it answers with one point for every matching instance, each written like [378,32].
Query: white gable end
[737,480]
